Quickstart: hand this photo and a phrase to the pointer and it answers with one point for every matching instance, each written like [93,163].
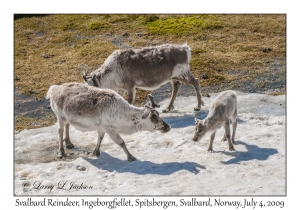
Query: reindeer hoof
[70,146]
[96,153]
[131,158]
[169,108]
[68,143]
[231,148]
[61,154]
[196,109]
[210,150]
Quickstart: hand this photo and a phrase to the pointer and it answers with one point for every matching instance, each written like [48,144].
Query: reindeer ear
[196,120]
[146,114]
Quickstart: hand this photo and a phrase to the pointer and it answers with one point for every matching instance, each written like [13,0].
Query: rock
[204,76]
[266,50]
[80,168]
[139,34]
[125,34]
[45,56]
[33,92]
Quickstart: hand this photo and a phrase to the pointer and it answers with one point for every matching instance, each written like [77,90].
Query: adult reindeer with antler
[89,108]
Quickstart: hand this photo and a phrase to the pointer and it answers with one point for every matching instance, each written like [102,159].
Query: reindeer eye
[199,130]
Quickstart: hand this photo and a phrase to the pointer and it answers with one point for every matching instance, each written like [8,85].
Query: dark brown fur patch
[155,63]
[80,98]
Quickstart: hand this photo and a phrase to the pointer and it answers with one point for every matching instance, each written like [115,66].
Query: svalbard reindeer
[147,69]
[222,110]
[89,108]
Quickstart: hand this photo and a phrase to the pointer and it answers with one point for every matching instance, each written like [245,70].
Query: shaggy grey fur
[146,68]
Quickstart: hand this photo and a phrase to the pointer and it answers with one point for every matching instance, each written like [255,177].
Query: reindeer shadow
[111,164]
[254,153]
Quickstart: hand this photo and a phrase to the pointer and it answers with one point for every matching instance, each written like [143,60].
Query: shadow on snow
[254,152]
[111,164]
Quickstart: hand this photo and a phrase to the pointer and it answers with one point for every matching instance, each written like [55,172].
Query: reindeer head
[152,115]
[91,80]
[200,129]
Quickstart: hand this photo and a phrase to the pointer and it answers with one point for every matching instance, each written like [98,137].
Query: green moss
[148,18]
[181,25]
[197,63]
[98,25]
[71,22]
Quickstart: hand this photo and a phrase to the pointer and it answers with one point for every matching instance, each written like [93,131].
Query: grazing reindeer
[89,108]
[222,110]
[147,69]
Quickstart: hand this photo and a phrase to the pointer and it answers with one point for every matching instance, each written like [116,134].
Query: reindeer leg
[188,78]
[119,141]
[196,85]
[176,86]
[227,131]
[60,130]
[234,125]
[224,137]
[212,137]
[96,152]
[69,144]
[131,95]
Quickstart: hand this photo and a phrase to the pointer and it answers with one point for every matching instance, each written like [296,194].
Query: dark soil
[29,106]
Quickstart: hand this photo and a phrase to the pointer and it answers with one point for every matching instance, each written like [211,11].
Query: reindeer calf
[222,110]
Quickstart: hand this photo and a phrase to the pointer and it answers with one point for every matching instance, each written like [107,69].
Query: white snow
[168,164]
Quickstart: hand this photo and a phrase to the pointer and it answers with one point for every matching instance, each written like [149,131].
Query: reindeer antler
[151,102]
